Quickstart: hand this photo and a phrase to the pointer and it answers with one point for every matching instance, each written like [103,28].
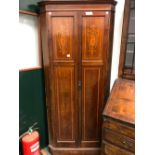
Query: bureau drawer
[118,127]
[119,140]
[109,149]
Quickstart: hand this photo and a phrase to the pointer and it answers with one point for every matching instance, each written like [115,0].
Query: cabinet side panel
[46,65]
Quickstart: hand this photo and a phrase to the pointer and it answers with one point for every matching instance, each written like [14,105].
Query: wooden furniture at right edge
[118,128]
[127,52]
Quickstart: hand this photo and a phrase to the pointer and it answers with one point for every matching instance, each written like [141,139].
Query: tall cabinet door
[63,57]
[94,48]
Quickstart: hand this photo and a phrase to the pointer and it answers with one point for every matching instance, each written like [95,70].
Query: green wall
[32,103]
[29,5]
[32,93]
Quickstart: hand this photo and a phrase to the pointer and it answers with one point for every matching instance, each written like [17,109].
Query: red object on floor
[30,143]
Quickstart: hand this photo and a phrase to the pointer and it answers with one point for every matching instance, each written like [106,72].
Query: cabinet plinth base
[74,151]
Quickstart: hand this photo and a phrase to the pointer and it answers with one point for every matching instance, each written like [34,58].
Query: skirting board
[74,151]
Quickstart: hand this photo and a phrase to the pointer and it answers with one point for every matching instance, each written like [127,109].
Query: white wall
[29,42]
[117,39]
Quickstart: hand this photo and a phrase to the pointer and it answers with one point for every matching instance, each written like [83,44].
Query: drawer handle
[128,143]
[105,119]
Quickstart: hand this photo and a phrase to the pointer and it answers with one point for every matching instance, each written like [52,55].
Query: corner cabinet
[77,49]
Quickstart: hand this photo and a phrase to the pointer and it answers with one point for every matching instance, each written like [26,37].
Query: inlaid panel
[92,37]
[91,103]
[65,102]
[62,37]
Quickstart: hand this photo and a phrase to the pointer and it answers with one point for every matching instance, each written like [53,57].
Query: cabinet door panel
[91,101]
[65,105]
[93,38]
[93,56]
[63,37]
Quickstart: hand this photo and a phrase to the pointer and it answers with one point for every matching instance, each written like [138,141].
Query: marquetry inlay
[92,39]
[62,43]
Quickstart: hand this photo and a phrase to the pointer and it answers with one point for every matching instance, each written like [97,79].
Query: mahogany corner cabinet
[77,50]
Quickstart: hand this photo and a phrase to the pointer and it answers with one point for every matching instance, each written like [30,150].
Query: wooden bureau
[118,128]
